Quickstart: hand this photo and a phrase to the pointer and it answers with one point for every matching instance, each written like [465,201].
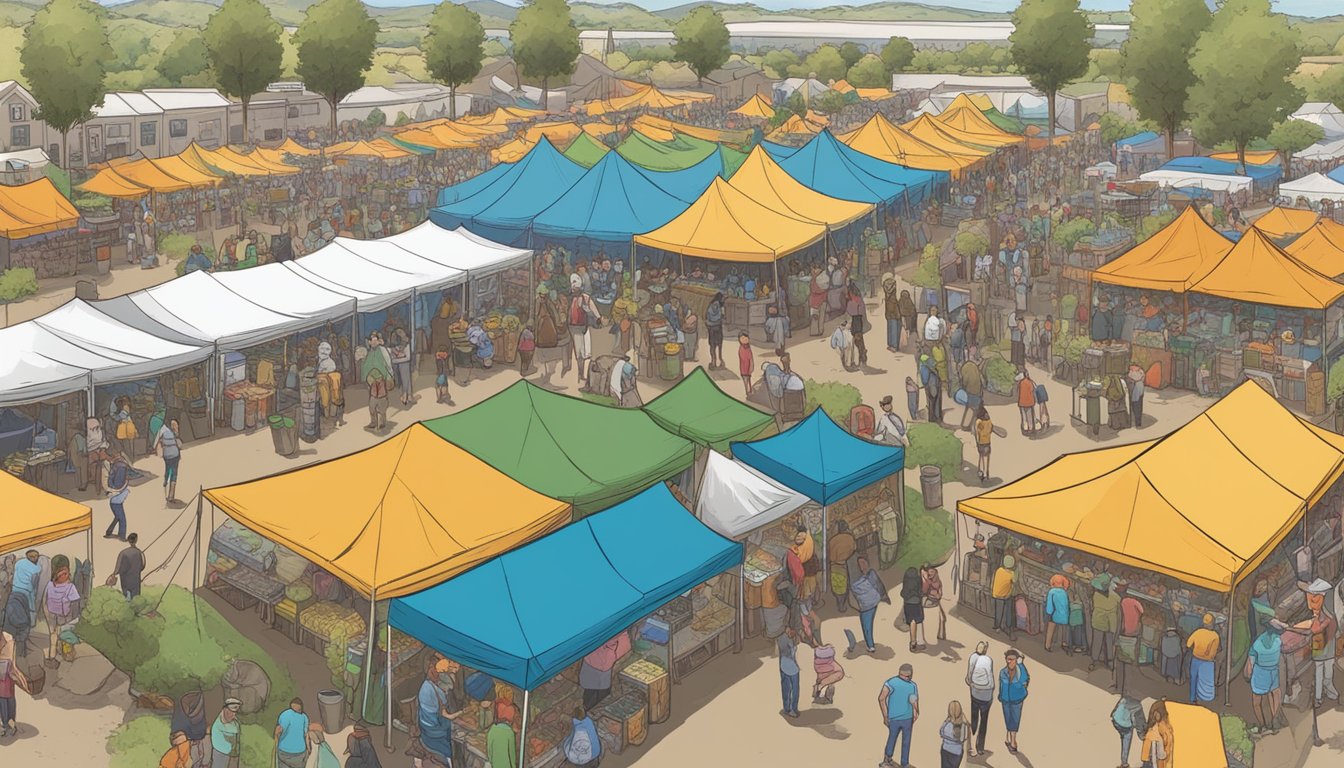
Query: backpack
[548,336]
[580,750]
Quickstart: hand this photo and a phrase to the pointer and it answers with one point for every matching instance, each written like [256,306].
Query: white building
[125,123]
[417,101]
[18,128]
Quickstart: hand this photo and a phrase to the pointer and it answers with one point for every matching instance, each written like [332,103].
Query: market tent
[586,150]
[874,94]
[678,154]
[376,273]
[965,117]
[145,173]
[441,136]
[727,225]
[1321,151]
[512,151]
[687,183]
[761,179]
[178,168]
[459,249]
[1208,173]
[833,169]
[36,208]
[381,149]
[1313,187]
[1321,248]
[38,365]
[292,147]
[503,117]
[882,139]
[560,132]
[795,126]
[699,411]
[590,455]
[1253,157]
[755,108]
[1279,222]
[516,618]
[926,128]
[37,517]
[212,162]
[1173,259]
[130,353]
[820,460]
[713,135]
[271,167]
[1155,505]
[1200,744]
[401,527]
[1194,180]
[1004,122]
[735,499]
[1258,272]
[612,202]
[272,285]
[109,183]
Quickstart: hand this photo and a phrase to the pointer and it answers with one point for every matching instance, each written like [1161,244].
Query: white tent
[271,285]
[1313,187]
[460,249]
[1102,170]
[1322,150]
[30,370]
[1324,114]
[373,285]
[1210,181]
[736,500]
[130,354]
[389,255]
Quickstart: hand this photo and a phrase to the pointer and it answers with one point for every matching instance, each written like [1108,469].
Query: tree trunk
[1287,165]
[64,162]
[545,92]
[246,129]
[1241,157]
[1050,129]
[452,101]
[1171,139]
[333,101]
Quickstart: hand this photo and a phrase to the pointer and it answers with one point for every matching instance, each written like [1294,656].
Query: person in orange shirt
[1026,401]
[1203,644]
[179,754]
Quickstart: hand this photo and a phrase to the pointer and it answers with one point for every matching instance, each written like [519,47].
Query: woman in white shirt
[956,734]
[980,679]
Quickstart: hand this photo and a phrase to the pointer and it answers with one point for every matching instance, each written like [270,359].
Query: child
[442,366]
[746,362]
[912,397]
[527,346]
[842,341]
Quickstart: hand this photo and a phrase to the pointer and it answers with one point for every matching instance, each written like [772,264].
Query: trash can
[931,485]
[669,368]
[285,434]
[331,710]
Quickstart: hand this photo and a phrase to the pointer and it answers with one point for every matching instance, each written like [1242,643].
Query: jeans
[899,729]
[170,470]
[1325,679]
[949,759]
[894,332]
[1101,645]
[118,519]
[1004,617]
[980,721]
[788,688]
[866,623]
[1126,738]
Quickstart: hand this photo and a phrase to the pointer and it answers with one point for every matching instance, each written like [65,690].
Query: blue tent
[1336,175]
[1261,175]
[779,151]
[613,202]
[475,184]
[832,168]
[1137,139]
[688,183]
[820,460]
[526,615]
[503,210]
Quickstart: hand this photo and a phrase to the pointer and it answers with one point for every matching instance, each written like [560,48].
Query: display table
[40,469]
[740,313]
[260,588]
[708,636]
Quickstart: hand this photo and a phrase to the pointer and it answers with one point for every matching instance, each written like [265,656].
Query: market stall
[1150,513]
[499,276]
[1280,223]
[696,409]
[46,517]
[1321,248]
[317,576]
[515,618]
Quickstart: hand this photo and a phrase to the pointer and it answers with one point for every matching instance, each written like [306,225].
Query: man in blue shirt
[899,702]
[787,646]
[291,733]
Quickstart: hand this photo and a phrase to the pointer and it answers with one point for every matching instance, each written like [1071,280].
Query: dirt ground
[727,713]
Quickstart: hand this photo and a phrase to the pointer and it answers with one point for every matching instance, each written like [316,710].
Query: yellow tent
[36,208]
[438,137]
[842,86]
[259,162]
[504,116]
[1173,259]
[736,138]
[1261,157]
[1280,222]
[874,94]
[181,169]
[379,148]
[1198,735]
[109,183]
[600,130]
[964,116]
[212,161]
[755,108]
[816,118]
[1205,504]
[795,126]
[148,175]
[36,517]
[882,139]
[1321,248]
[512,151]
[661,135]
[1259,272]
[726,224]
[396,518]
[947,138]
[761,179]
[646,98]
[292,147]
[560,132]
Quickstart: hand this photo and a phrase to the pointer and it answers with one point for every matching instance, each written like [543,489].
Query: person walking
[130,568]
[226,747]
[1057,612]
[1203,644]
[1157,739]
[868,590]
[378,384]
[11,675]
[933,596]
[980,679]
[909,318]
[787,646]
[912,599]
[1001,591]
[1265,669]
[291,736]
[984,434]
[170,449]
[858,314]
[1135,382]
[582,313]
[62,598]
[1105,620]
[119,488]
[972,382]
[714,327]
[956,734]
[1127,640]
[746,362]
[1128,719]
[828,671]
[1323,633]
[912,397]
[933,388]
[892,313]
[1013,682]
[1026,401]
[899,703]
[840,550]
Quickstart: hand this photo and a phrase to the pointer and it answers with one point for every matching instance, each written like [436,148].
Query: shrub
[999,374]
[1068,306]
[17,283]
[1071,348]
[927,537]
[934,444]
[927,274]
[139,742]
[111,625]
[1237,740]
[970,245]
[1066,236]
[175,245]
[1151,224]
[186,661]
[836,398]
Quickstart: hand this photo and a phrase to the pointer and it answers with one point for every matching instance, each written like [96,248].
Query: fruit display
[326,620]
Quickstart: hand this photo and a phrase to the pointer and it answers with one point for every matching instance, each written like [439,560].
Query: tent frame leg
[1227,647]
[368,651]
[387,688]
[741,604]
[825,554]
[522,737]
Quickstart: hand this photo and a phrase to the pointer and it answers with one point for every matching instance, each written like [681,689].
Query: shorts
[716,335]
[982,449]
[914,613]
[442,380]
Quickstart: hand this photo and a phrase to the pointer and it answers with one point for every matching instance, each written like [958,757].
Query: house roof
[126,105]
[186,98]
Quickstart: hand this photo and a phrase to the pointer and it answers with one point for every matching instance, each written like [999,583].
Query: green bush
[175,245]
[1237,739]
[1335,387]
[1066,236]
[113,627]
[17,283]
[186,661]
[999,375]
[1068,306]
[927,274]
[143,740]
[836,398]
[1151,224]
[934,444]
[1071,348]
[970,245]
[928,534]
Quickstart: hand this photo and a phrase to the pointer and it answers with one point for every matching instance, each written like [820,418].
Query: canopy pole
[775,266]
[387,685]
[368,652]
[825,537]
[89,560]
[956,538]
[410,378]
[741,603]
[1227,650]
[522,737]
[90,395]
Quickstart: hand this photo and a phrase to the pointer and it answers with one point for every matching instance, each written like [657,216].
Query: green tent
[1004,122]
[676,155]
[586,151]
[699,411]
[590,455]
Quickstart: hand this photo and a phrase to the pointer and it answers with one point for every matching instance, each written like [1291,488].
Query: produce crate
[235,597]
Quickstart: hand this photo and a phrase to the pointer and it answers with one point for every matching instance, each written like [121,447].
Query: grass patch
[143,740]
[928,533]
[175,245]
[836,398]
[937,445]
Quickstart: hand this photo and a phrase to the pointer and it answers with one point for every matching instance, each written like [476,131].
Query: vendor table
[694,647]
[265,590]
[39,469]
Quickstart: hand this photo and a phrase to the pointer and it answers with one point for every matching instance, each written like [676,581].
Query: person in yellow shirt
[1005,579]
[179,754]
[1203,644]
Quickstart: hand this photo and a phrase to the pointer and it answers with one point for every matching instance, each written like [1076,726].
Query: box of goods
[235,597]
[656,631]
[1115,359]
[1092,359]
[627,716]
[677,613]
[257,585]
[326,620]
[656,684]
[289,565]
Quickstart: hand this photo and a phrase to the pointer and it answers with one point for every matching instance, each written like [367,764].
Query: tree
[1330,86]
[1292,136]
[897,54]
[242,44]
[184,58]
[869,72]
[851,53]
[826,63]
[454,48]
[64,58]
[1156,59]
[335,42]
[1050,43]
[702,41]
[545,41]
[779,62]
[1238,97]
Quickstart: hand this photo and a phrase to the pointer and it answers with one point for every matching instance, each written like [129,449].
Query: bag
[1127,649]
[580,749]
[548,336]
[1041,395]
[839,579]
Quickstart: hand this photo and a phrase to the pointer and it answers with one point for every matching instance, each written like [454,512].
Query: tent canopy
[963,116]
[1280,222]
[1253,157]
[1314,186]
[1259,272]
[613,202]
[820,460]
[400,527]
[586,150]
[699,411]
[726,224]
[1173,259]
[503,116]
[274,285]
[761,179]
[926,128]
[291,147]
[678,153]
[839,171]
[130,354]
[711,135]
[35,208]
[32,375]
[108,183]
[459,249]
[736,499]
[512,151]
[1321,248]
[796,126]
[376,273]
[590,455]
[1138,139]
[755,108]
[145,173]
[881,139]
[1156,505]
[45,517]
[1201,742]
[516,618]
[1322,150]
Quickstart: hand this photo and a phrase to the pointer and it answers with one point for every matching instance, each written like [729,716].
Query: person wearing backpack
[956,734]
[581,747]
